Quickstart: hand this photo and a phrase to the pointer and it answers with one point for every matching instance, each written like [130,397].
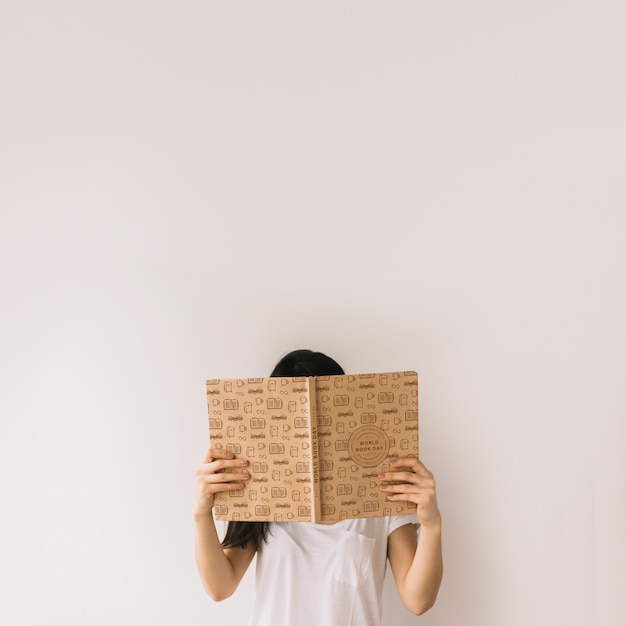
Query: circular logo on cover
[368,446]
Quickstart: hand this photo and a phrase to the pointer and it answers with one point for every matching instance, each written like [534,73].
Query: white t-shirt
[323,575]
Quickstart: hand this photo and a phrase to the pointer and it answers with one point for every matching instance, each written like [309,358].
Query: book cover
[315,445]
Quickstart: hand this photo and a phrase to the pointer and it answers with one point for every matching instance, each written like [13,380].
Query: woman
[318,574]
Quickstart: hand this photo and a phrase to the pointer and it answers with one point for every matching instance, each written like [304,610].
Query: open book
[315,445]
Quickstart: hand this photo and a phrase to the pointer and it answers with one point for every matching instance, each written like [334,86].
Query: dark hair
[296,363]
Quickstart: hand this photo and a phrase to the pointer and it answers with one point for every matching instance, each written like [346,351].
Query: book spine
[316,515]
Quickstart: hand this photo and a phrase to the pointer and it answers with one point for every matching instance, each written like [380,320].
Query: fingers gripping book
[315,445]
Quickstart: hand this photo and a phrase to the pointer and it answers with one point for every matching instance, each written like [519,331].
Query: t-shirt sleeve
[395,521]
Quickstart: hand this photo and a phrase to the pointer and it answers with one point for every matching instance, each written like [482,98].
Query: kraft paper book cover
[315,445]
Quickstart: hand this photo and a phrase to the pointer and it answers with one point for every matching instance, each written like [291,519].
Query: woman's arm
[221,570]
[417,565]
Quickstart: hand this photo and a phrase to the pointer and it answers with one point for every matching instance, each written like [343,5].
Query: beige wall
[190,189]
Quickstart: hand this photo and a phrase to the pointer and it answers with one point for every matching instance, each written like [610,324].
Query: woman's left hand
[417,485]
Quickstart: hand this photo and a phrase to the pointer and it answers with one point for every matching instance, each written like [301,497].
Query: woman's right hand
[209,480]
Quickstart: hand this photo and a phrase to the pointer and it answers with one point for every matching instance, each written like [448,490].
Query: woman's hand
[417,485]
[210,480]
